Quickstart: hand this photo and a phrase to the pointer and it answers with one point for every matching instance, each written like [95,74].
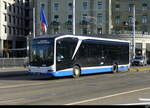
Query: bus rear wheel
[115,68]
[76,71]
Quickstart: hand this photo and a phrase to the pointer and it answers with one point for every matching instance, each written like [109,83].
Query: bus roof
[94,37]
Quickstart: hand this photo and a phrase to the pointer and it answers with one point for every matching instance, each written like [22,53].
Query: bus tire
[76,71]
[115,68]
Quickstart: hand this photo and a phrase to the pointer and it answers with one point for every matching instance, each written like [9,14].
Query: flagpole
[33,22]
[74,17]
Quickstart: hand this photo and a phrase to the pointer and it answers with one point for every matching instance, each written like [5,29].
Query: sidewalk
[13,71]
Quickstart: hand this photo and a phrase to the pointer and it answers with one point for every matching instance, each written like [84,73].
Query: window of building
[9,16]
[56,30]
[69,30]
[5,17]
[26,12]
[18,1]
[14,9]
[5,28]
[70,17]
[117,7]
[21,2]
[14,20]
[85,5]
[18,21]
[130,21]
[99,30]
[18,9]
[43,5]
[22,21]
[99,18]
[5,4]
[18,31]
[9,7]
[14,32]
[84,17]
[99,5]
[9,28]
[70,5]
[144,19]
[117,20]
[144,6]
[56,6]
[27,4]
[131,7]
[56,17]
[131,0]
[21,11]
[84,31]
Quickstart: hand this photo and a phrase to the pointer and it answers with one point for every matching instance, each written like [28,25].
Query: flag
[43,20]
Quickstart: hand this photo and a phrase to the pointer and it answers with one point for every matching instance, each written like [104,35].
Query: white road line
[142,103]
[12,100]
[104,97]
[144,99]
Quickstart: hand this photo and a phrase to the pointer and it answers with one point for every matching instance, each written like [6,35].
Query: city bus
[72,55]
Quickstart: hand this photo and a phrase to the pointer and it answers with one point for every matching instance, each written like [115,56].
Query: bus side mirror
[60,58]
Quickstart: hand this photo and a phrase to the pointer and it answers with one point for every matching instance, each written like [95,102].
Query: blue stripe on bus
[123,68]
[98,70]
[63,73]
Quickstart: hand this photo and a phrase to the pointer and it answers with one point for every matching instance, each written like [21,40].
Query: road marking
[104,97]
[31,84]
[142,103]
[20,85]
[139,103]
[144,99]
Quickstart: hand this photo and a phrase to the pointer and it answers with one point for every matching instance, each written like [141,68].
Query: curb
[14,71]
[138,69]
[10,74]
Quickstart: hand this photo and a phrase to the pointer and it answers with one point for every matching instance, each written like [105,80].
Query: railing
[13,62]
[130,32]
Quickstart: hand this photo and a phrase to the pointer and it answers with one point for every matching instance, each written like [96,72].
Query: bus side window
[65,49]
[60,56]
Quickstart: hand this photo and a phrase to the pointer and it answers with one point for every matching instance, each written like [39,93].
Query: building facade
[14,27]
[122,11]
[91,16]
[99,17]
[122,21]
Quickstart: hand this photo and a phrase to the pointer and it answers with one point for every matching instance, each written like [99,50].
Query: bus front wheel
[76,71]
[115,68]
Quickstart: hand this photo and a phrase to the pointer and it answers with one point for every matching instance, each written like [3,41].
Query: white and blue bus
[70,55]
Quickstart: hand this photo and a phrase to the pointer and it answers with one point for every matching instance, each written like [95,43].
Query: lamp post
[133,37]
[28,43]
[74,17]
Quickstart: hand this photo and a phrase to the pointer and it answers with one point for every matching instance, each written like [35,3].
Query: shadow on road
[28,77]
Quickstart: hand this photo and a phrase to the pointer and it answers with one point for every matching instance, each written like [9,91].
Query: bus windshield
[42,52]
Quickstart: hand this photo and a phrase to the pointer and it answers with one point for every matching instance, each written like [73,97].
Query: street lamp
[28,43]
[133,37]
[74,17]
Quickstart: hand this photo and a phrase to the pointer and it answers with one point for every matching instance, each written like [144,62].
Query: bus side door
[64,51]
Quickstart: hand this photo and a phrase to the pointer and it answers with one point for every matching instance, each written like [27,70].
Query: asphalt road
[124,88]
